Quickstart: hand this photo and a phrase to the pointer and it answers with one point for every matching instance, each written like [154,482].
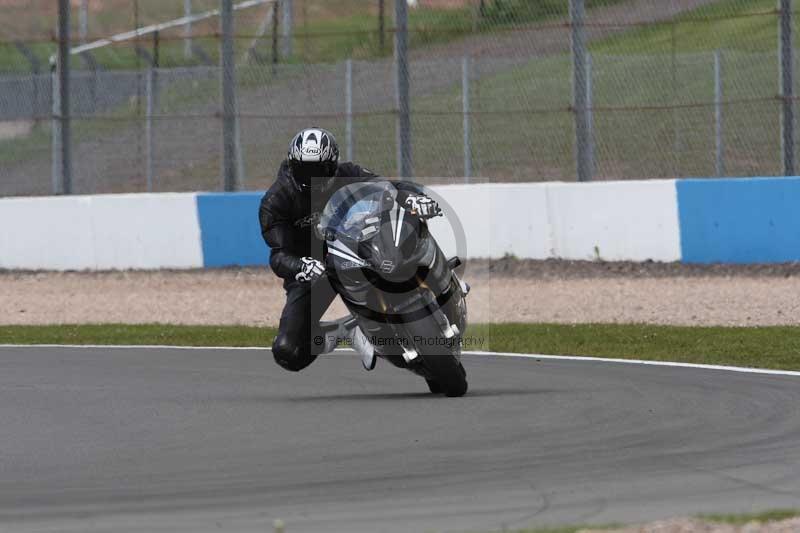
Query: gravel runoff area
[687,525]
[503,291]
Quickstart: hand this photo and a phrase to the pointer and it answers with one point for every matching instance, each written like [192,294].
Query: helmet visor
[304,173]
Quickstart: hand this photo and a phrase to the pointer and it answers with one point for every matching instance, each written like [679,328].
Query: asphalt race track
[101,439]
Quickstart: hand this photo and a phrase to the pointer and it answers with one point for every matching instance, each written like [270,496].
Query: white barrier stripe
[586,359]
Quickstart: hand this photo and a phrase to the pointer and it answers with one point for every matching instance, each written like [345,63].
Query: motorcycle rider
[288,214]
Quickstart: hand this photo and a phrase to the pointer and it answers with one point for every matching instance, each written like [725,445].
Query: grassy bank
[151,334]
[331,31]
[774,515]
[770,347]
[767,347]
[745,25]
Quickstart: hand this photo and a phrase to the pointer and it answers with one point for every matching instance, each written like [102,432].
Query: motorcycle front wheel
[440,359]
[448,375]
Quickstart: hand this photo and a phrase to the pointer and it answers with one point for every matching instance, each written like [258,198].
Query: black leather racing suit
[288,218]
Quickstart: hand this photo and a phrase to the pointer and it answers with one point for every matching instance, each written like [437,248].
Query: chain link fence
[669,88]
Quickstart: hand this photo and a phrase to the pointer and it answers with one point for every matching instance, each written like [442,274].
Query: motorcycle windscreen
[354,211]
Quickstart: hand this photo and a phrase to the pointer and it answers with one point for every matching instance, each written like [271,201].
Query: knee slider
[289,355]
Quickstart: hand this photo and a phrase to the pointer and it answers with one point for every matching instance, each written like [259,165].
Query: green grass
[34,26]
[152,334]
[733,519]
[32,146]
[745,25]
[768,347]
[774,515]
[114,57]
[326,39]
[343,30]
[13,61]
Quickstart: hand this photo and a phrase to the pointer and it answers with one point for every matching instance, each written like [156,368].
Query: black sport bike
[396,282]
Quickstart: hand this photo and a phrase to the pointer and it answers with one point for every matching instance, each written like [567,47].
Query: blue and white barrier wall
[739,220]
[748,220]
[137,231]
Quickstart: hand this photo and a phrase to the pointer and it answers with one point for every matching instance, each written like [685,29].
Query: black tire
[434,387]
[440,360]
[448,373]
[441,363]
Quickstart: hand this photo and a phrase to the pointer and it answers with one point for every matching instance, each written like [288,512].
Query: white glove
[310,270]
[423,207]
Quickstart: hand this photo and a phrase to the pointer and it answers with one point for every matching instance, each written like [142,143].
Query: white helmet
[313,153]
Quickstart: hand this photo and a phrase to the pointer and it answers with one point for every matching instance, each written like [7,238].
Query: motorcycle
[399,287]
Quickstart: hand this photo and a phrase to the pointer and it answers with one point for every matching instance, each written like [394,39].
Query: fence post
[787,89]
[275,55]
[465,101]
[83,21]
[241,174]
[63,100]
[348,96]
[187,29]
[404,155]
[288,23]
[55,130]
[151,99]
[590,113]
[91,63]
[229,171]
[577,14]
[718,123]
[382,26]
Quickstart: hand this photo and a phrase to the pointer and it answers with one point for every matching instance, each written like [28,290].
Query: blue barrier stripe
[229,230]
[739,220]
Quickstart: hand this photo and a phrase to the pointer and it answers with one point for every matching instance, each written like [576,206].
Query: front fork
[448,329]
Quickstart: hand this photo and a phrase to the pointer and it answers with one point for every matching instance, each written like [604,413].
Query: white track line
[739,369]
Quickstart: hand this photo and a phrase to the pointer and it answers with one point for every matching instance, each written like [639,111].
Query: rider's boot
[334,333]
[331,342]
[347,331]
[365,348]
